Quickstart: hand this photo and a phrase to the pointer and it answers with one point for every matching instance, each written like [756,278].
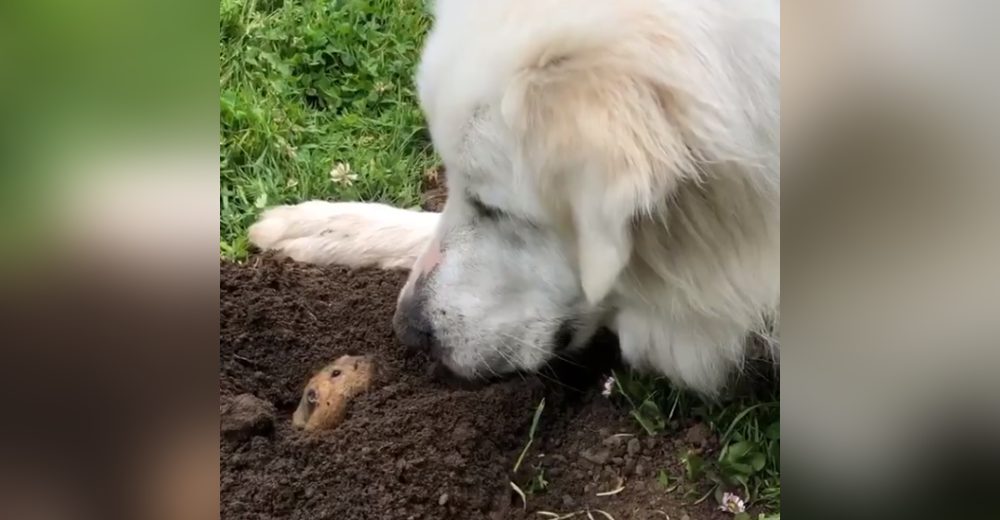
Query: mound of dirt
[412,448]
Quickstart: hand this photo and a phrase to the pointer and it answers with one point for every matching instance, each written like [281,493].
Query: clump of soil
[244,416]
[410,447]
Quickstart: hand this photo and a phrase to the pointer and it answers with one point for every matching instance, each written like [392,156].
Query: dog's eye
[335,373]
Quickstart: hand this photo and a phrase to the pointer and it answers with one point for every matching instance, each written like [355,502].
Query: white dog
[609,163]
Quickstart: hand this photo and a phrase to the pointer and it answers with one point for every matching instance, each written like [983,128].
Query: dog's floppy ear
[604,141]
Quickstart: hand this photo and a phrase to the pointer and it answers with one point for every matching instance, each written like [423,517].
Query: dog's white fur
[631,151]
[353,234]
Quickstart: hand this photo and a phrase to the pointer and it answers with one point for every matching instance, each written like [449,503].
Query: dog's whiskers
[530,345]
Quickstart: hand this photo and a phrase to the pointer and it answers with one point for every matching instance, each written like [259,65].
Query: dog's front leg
[353,234]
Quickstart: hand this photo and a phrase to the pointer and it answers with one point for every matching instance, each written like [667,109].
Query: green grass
[748,428]
[308,85]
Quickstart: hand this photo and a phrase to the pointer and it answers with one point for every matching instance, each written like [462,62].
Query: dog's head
[494,293]
[552,153]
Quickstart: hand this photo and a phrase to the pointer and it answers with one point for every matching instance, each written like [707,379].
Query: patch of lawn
[308,85]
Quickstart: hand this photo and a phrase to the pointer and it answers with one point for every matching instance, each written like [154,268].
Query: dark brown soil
[412,448]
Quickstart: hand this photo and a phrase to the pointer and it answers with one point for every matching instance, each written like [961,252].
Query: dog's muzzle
[413,328]
[410,322]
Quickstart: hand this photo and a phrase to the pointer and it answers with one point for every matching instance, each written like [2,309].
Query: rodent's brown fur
[332,393]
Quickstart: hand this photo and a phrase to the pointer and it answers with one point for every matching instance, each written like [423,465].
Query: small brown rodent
[324,400]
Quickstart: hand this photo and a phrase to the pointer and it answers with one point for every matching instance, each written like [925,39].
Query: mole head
[325,397]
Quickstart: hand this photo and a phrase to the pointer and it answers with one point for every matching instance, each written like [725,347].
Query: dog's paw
[352,234]
[283,223]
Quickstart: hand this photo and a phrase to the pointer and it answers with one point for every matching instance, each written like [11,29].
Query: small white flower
[609,385]
[341,174]
[731,503]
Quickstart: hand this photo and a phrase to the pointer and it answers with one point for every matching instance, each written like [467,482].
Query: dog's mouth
[441,374]
[578,371]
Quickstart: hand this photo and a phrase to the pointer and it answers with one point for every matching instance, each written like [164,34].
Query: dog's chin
[445,376]
[578,370]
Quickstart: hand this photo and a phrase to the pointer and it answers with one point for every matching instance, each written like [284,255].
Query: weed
[531,434]
[538,483]
[663,478]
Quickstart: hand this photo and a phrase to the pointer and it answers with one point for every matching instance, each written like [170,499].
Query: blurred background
[110,242]
[108,259]
[890,257]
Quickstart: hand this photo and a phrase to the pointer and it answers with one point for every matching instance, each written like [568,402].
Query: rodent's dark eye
[311,397]
[335,373]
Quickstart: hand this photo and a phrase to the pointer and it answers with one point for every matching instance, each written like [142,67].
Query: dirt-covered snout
[325,398]
[411,322]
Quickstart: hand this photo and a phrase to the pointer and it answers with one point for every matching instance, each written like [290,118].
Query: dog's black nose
[413,328]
